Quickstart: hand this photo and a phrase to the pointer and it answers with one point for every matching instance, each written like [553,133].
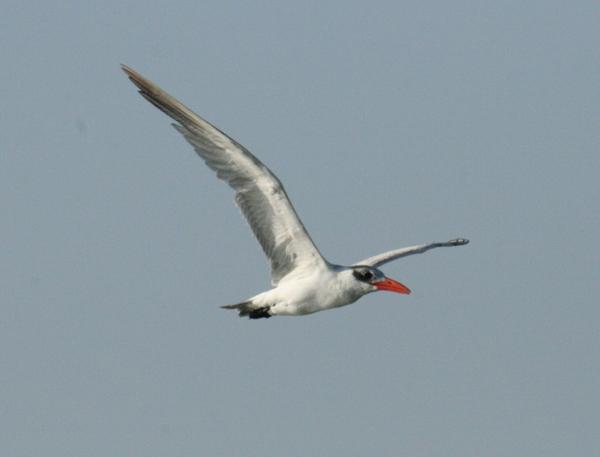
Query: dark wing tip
[458,242]
[130,72]
[161,99]
[145,85]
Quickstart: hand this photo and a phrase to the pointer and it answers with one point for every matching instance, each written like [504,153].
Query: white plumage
[304,282]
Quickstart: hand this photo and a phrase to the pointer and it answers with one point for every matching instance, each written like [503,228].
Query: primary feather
[258,192]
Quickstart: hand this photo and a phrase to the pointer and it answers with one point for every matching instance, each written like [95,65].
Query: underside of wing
[385,257]
[259,194]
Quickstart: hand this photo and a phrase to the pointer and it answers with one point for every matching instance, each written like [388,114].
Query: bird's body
[303,281]
[309,291]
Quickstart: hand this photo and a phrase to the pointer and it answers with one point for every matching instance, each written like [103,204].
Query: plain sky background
[390,123]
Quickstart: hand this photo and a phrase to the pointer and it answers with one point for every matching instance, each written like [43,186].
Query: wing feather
[385,257]
[259,194]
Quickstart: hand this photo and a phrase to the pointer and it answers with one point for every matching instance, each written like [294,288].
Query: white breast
[315,291]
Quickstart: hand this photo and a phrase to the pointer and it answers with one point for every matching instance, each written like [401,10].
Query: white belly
[306,295]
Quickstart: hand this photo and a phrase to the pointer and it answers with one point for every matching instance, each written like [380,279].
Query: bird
[303,281]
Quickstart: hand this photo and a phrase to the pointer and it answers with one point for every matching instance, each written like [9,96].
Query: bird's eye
[363,275]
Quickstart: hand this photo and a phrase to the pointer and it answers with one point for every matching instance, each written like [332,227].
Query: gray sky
[390,124]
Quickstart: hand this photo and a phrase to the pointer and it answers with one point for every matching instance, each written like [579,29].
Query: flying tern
[304,282]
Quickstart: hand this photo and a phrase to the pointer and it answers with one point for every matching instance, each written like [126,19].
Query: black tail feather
[247,308]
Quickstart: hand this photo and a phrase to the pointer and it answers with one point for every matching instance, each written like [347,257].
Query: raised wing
[259,194]
[386,257]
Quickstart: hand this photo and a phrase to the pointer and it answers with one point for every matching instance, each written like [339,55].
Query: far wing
[258,192]
[386,257]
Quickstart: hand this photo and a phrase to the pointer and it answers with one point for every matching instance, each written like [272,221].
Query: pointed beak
[392,286]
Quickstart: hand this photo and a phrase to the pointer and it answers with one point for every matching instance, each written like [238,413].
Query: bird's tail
[249,309]
[243,308]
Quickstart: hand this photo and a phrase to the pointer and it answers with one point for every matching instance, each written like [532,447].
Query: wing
[258,192]
[386,257]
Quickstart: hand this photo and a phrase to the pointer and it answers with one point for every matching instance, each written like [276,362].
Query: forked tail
[249,309]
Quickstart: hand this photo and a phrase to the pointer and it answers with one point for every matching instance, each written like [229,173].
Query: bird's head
[375,280]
